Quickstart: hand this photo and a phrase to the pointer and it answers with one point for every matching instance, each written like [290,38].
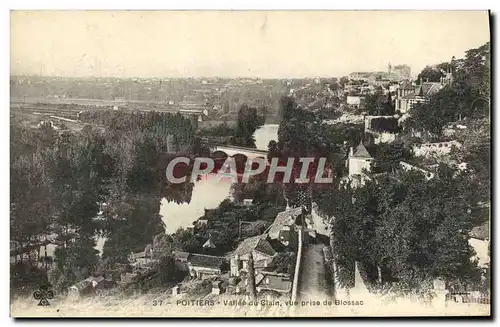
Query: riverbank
[208,193]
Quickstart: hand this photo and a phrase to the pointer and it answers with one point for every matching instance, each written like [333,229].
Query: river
[208,193]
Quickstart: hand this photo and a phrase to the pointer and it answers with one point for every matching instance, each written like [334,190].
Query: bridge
[232,151]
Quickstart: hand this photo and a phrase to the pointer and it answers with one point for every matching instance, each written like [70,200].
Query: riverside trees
[59,181]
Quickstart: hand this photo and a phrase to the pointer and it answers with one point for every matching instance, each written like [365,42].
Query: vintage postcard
[250,163]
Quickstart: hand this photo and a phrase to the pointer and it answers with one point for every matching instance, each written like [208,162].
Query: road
[312,279]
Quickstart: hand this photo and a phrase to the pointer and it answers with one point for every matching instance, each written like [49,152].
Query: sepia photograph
[250,164]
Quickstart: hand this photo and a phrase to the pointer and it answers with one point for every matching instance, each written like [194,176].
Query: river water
[210,192]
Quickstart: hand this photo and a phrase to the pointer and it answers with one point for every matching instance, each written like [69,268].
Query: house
[81,288]
[267,282]
[280,283]
[203,266]
[141,258]
[253,228]
[408,95]
[284,218]
[261,250]
[359,160]
[359,164]
[354,101]
[393,88]
[89,286]
[176,290]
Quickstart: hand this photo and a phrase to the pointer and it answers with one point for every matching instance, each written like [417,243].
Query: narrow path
[312,280]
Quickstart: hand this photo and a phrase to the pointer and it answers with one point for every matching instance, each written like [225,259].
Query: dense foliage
[467,97]
[415,230]
[62,182]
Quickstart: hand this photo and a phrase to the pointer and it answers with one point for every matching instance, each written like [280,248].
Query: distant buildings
[354,101]
[408,95]
[403,71]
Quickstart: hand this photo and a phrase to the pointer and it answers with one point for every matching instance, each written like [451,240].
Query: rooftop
[428,88]
[209,261]
[277,283]
[361,152]
[284,218]
[257,243]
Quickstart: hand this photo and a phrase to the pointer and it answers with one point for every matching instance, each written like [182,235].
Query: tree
[131,223]
[286,108]
[431,74]
[467,97]
[168,271]
[388,156]
[184,240]
[445,106]
[378,104]
[343,81]
[476,152]
[75,262]
[414,229]
[273,150]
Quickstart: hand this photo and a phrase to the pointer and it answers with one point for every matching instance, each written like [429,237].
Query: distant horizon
[237,44]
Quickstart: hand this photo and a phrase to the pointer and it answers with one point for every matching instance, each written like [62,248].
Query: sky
[267,44]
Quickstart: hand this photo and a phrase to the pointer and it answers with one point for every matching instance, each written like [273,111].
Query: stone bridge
[232,151]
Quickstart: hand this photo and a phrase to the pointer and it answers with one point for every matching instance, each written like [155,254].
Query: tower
[389,67]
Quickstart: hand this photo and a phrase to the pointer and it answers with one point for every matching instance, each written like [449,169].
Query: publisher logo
[43,294]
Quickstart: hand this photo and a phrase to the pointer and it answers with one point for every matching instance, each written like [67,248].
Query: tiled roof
[428,88]
[257,243]
[83,284]
[405,85]
[254,226]
[268,282]
[98,279]
[283,218]
[273,283]
[361,152]
[208,261]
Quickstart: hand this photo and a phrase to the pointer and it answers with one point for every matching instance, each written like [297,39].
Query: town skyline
[103,43]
